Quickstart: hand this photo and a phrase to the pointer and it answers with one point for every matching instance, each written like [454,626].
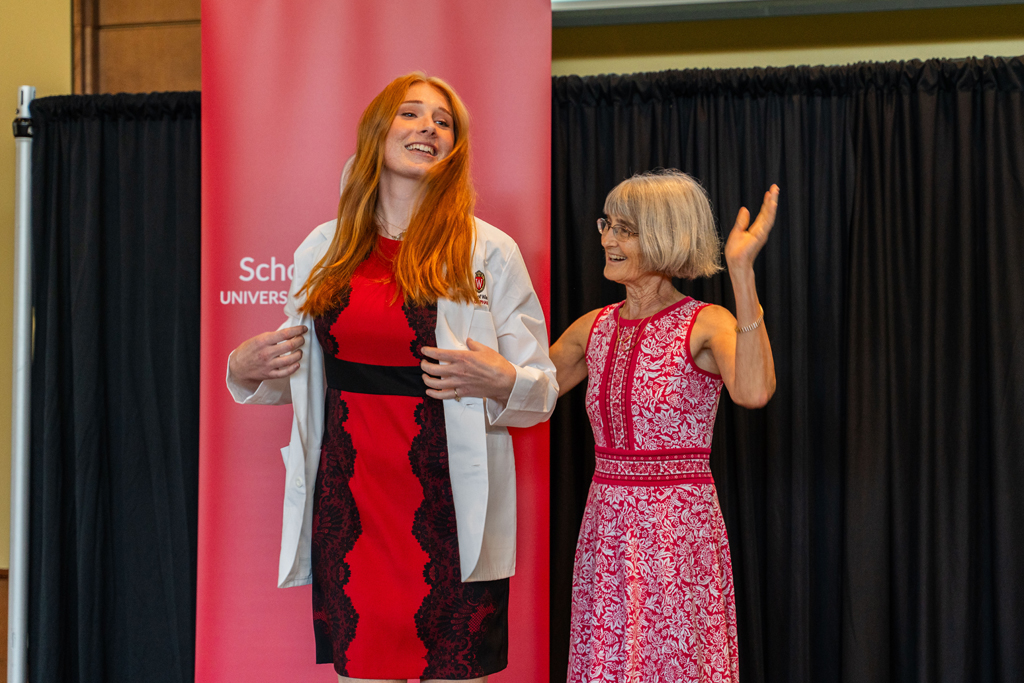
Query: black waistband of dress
[386,380]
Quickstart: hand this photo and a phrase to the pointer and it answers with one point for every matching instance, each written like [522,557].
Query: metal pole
[17,610]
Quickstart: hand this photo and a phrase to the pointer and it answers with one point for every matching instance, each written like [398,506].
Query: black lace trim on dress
[324,323]
[336,527]
[422,321]
[456,621]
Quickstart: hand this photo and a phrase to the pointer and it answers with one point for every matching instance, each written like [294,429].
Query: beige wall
[785,41]
[35,49]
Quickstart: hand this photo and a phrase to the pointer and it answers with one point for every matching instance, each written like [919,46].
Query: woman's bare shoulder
[587,319]
[712,319]
[579,331]
[715,315]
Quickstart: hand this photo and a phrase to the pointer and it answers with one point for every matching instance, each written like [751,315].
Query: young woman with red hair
[423,341]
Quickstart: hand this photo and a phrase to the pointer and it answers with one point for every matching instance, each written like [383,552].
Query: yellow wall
[785,41]
[35,49]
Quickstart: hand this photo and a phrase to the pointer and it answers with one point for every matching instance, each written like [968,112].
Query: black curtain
[873,506]
[115,392]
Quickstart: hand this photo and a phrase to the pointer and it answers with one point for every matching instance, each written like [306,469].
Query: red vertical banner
[284,83]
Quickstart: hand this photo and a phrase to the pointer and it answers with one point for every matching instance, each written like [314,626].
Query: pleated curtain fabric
[874,506]
[115,395]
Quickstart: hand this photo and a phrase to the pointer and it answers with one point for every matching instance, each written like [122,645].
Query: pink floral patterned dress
[652,594]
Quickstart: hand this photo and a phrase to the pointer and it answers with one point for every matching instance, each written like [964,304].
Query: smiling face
[421,134]
[623,262]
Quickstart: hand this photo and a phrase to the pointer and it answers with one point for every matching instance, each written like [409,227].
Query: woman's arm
[259,369]
[518,379]
[267,356]
[569,353]
[744,359]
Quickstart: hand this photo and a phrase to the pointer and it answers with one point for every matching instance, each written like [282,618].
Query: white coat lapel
[465,428]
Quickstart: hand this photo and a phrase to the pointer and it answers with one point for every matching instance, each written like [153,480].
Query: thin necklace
[387,224]
[635,339]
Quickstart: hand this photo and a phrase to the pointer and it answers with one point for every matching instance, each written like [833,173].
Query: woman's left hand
[480,372]
[744,359]
[744,243]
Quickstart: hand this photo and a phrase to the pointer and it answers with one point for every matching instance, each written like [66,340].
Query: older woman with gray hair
[652,596]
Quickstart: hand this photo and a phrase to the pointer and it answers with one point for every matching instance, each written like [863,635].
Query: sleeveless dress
[652,595]
[388,599]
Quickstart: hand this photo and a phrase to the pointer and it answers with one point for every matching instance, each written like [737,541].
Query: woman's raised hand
[270,355]
[746,239]
[479,372]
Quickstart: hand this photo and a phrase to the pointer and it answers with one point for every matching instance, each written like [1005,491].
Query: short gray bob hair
[672,215]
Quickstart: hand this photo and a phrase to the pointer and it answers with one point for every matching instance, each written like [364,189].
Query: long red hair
[436,256]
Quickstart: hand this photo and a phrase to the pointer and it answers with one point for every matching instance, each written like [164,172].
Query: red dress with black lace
[652,593]
[388,599]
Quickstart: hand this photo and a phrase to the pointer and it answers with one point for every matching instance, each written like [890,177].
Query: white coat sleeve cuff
[531,401]
[269,392]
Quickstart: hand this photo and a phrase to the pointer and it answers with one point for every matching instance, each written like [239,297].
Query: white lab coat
[480,456]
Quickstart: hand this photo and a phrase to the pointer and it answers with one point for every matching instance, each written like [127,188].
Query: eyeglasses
[619,231]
